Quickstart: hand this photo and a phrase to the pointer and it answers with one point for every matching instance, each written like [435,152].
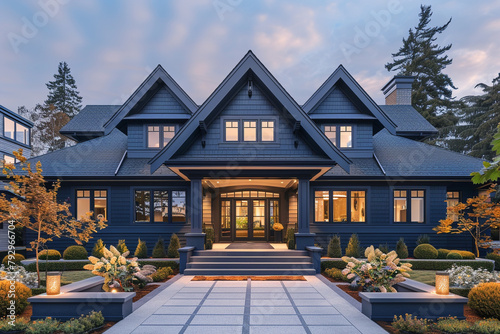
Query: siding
[207,209]
[163,102]
[292,211]
[336,102]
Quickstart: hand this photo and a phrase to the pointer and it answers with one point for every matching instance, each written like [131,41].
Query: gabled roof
[340,77]
[408,120]
[89,121]
[16,117]
[150,86]
[250,64]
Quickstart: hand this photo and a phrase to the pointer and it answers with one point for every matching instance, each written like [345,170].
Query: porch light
[442,283]
[53,283]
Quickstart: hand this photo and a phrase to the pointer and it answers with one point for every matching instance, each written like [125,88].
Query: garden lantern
[53,283]
[442,283]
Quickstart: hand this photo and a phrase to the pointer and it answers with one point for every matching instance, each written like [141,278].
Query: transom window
[16,131]
[340,206]
[409,206]
[160,136]
[339,135]
[250,194]
[452,199]
[253,130]
[160,206]
[95,201]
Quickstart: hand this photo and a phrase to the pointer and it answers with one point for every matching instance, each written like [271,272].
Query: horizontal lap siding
[163,102]
[336,103]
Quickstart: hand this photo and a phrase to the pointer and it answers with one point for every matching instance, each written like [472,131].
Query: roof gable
[250,66]
[158,91]
[356,103]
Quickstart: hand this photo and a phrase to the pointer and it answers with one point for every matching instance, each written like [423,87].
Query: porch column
[303,237]
[196,237]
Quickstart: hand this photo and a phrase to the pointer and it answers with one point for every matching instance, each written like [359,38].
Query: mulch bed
[253,278]
[353,294]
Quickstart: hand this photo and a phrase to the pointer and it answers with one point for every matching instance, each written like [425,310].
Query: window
[153,136]
[412,201]
[168,134]
[452,199]
[231,130]
[168,206]
[250,131]
[331,133]
[95,201]
[340,206]
[22,134]
[8,159]
[8,127]
[267,131]
[345,136]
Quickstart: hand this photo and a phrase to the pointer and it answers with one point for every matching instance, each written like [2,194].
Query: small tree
[476,216]
[159,250]
[122,246]
[173,247]
[423,239]
[36,208]
[353,248]
[334,249]
[141,251]
[402,249]
[98,250]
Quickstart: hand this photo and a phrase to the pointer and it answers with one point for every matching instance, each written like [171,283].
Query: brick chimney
[398,90]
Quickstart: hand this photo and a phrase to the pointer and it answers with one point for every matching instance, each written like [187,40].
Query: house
[16,134]
[251,156]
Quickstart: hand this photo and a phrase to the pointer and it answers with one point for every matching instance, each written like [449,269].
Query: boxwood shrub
[454,256]
[425,251]
[17,259]
[447,264]
[339,264]
[443,253]
[496,258]
[75,252]
[49,254]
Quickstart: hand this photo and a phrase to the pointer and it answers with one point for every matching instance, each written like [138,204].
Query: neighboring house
[16,134]
[250,156]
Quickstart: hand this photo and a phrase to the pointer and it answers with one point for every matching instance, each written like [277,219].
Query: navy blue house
[250,156]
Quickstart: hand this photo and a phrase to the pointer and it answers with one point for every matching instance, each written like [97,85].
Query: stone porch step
[248,272]
[250,265]
[270,252]
[244,258]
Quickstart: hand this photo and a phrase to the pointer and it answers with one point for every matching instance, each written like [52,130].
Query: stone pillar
[303,237]
[196,238]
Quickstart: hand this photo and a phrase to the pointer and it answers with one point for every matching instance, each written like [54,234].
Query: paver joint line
[188,322]
[246,316]
[301,318]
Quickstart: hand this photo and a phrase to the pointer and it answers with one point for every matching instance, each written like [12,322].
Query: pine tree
[159,250]
[173,247]
[141,251]
[63,94]
[421,57]
[122,247]
[354,247]
[402,249]
[334,249]
[97,251]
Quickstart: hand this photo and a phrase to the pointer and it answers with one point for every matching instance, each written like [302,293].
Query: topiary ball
[16,260]
[443,253]
[454,256]
[465,254]
[75,252]
[49,254]
[485,300]
[425,251]
[19,298]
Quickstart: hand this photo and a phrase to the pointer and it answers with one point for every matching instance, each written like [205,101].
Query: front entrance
[248,215]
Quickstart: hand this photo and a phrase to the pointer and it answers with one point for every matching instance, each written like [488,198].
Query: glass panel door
[225,220]
[259,219]
[241,219]
[274,214]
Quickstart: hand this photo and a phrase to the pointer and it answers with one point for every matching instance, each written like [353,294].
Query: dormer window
[339,135]
[160,136]
[231,130]
[258,130]
[267,130]
[331,133]
[346,136]
[250,131]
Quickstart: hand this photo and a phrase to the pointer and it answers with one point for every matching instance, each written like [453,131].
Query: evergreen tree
[354,247]
[173,247]
[51,122]
[334,249]
[479,118]
[97,251]
[63,94]
[141,251]
[402,249]
[424,59]
[159,250]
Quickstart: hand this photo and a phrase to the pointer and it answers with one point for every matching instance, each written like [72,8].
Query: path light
[53,283]
[114,290]
[442,283]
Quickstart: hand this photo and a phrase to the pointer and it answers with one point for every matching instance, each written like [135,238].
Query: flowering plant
[19,274]
[117,270]
[466,277]
[277,227]
[379,272]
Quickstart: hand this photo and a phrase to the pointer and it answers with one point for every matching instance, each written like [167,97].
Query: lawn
[71,276]
[424,276]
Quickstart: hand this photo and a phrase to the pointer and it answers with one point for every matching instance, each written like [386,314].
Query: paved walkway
[221,307]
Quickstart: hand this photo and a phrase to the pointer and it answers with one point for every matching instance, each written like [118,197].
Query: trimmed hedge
[57,266]
[454,256]
[496,258]
[485,300]
[421,264]
[75,252]
[17,259]
[339,264]
[425,251]
[443,253]
[49,254]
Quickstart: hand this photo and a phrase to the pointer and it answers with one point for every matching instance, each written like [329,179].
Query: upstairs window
[153,136]
[22,134]
[168,134]
[331,133]
[232,129]
[452,199]
[91,200]
[9,127]
[8,159]
[160,136]
[267,130]
[250,131]
[409,206]
[346,136]
[339,135]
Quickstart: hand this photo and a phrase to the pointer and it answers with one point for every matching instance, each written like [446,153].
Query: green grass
[424,276]
[71,276]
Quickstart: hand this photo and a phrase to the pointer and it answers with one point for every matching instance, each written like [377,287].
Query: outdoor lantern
[53,283]
[442,283]
[114,290]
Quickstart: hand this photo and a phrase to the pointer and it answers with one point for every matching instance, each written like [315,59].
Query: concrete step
[250,265]
[262,253]
[248,272]
[241,258]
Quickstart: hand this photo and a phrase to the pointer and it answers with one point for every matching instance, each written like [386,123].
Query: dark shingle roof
[91,119]
[407,119]
[359,167]
[140,167]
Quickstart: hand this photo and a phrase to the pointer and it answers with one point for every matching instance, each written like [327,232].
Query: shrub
[485,299]
[19,325]
[402,249]
[384,248]
[20,297]
[72,326]
[75,252]
[97,251]
[488,326]
[443,253]
[49,254]
[159,264]
[334,248]
[209,244]
[339,264]
[141,251]
[448,264]
[353,248]
[453,325]
[495,257]
[122,246]
[173,246]
[57,266]
[162,274]
[410,324]
[159,250]
[209,237]
[454,256]
[13,258]
[336,274]
[425,251]
[290,238]
[465,254]
[423,239]
[45,326]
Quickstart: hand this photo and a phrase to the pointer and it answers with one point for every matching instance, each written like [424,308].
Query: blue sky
[111,46]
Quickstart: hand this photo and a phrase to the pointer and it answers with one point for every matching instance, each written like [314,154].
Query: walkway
[221,307]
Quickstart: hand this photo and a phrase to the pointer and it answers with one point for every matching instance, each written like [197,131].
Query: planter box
[414,298]
[80,298]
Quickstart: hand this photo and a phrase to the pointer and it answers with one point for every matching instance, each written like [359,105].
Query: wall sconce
[442,283]
[53,283]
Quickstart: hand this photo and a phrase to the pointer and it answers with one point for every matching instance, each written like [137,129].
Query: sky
[111,46]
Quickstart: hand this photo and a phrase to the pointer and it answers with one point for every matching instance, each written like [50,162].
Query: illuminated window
[250,130]
[331,133]
[164,209]
[412,201]
[346,136]
[178,206]
[160,206]
[348,206]
[95,201]
[142,205]
[22,134]
[9,127]
[153,136]
[400,206]
[168,134]
[9,159]
[322,206]
[452,199]
[340,206]
[358,206]
[417,206]
[231,130]
[267,130]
